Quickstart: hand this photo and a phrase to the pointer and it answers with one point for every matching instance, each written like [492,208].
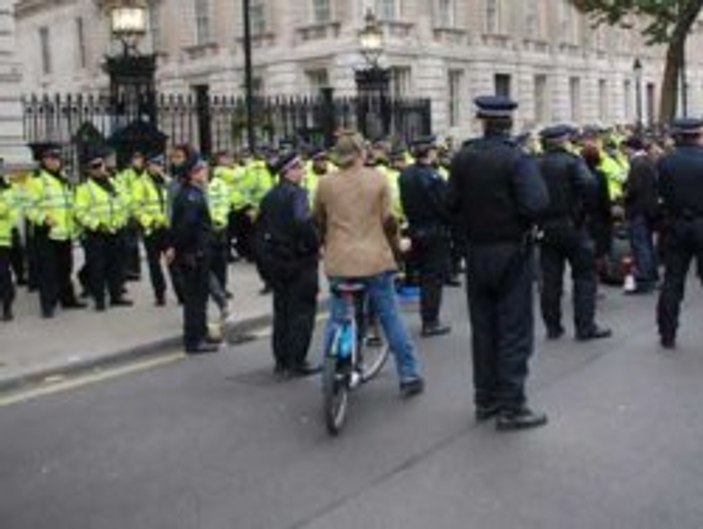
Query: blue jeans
[643,253]
[381,291]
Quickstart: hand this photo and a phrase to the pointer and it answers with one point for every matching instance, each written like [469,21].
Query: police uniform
[499,193]
[565,237]
[127,180]
[150,192]
[8,219]
[219,200]
[191,234]
[102,211]
[51,213]
[287,250]
[681,193]
[423,193]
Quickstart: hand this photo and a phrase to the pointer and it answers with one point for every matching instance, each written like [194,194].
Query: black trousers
[7,288]
[54,267]
[195,273]
[294,309]
[18,256]
[242,230]
[154,245]
[218,263]
[131,262]
[432,258]
[32,257]
[573,246]
[499,288]
[103,255]
[684,243]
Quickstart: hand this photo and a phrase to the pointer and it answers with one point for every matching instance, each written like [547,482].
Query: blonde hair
[350,146]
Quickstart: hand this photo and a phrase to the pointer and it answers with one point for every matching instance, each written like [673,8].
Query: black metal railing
[216,123]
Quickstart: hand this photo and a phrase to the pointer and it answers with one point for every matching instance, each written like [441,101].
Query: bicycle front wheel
[335,395]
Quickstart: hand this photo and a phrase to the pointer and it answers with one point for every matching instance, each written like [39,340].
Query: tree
[668,22]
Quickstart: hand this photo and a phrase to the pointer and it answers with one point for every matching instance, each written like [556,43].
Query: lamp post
[131,73]
[248,75]
[372,83]
[637,69]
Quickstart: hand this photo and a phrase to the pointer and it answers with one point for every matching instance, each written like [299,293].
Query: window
[567,23]
[257,17]
[388,9]
[541,99]
[456,78]
[534,19]
[446,13]
[80,36]
[45,47]
[400,81]
[575,99]
[493,22]
[627,99]
[317,79]
[321,12]
[602,100]
[501,82]
[202,21]
[154,26]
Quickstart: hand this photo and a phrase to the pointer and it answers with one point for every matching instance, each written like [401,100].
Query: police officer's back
[498,192]
[572,195]
[681,193]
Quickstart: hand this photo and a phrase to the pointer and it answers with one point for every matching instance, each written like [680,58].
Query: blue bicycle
[356,354]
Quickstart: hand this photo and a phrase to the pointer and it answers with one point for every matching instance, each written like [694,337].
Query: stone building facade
[12,149]
[542,52]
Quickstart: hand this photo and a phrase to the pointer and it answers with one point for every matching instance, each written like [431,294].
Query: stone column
[12,146]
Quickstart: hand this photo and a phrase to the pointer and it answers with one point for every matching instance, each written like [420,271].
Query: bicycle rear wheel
[374,352]
[335,392]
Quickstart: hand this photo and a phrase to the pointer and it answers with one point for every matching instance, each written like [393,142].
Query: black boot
[7,312]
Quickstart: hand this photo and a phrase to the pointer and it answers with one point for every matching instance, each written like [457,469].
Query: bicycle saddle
[348,288]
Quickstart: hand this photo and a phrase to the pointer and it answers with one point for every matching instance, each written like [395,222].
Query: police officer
[423,194]
[102,211]
[565,237]
[8,219]
[287,249]
[51,213]
[499,193]
[191,234]
[150,209]
[681,192]
[127,180]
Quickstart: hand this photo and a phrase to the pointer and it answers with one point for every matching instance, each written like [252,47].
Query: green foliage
[667,20]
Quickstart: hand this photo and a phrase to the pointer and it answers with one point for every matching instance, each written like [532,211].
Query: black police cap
[45,149]
[686,126]
[556,132]
[495,106]
[285,162]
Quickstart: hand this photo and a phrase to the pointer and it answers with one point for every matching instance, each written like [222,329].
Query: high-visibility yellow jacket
[51,203]
[8,215]
[149,203]
[99,210]
[126,181]
[234,178]
[615,175]
[258,181]
[218,197]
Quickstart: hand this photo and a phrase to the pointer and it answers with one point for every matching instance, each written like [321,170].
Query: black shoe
[668,342]
[74,305]
[132,276]
[213,340]
[47,314]
[594,334]
[100,306]
[519,419]
[555,334]
[121,302]
[280,371]
[160,301]
[435,329]
[304,369]
[228,294]
[202,348]
[410,388]
[486,411]
[7,314]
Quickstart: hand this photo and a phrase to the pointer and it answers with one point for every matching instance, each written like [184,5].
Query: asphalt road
[215,442]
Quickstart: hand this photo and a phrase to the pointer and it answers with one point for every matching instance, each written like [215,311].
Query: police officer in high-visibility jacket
[8,220]
[51,213]
[218,196]
[126,180]
[149,206]
[102,210]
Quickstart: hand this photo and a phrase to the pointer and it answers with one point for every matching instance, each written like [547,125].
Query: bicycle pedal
[355,379]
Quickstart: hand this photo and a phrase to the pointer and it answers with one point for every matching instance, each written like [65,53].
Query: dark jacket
[496,189]
[191,226]
[641,188]
[681,182]
[423,194]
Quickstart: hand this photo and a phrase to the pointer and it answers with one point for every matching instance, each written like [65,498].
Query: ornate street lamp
[637,69]
[372,83]
[128,23]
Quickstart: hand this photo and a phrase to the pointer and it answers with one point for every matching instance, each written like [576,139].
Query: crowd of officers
[565,190]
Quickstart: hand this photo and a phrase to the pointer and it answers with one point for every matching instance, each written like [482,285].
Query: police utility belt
[433,231]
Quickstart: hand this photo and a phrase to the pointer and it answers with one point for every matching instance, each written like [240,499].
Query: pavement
[216,442]
[33,349]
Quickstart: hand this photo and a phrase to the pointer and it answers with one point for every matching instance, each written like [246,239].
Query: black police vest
[485,170]
[421,191]
[558,171]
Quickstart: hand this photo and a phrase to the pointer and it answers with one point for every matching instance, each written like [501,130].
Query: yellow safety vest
[99,210]
[150,203]
[8,216]
[52,197]
[218,197]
